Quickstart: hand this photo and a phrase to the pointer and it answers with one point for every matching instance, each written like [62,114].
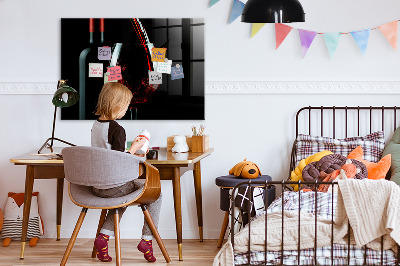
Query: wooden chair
[85,167]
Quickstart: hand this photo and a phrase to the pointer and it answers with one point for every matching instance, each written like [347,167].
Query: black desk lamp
[65,96]
[273,11]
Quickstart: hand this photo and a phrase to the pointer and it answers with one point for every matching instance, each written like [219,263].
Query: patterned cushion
[372,144]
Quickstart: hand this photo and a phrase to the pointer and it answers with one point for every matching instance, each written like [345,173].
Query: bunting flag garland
[237,9]
[213,2]
[306,39]
[332,41]
[256,28]
[281,31]
[389,30]
[361,37]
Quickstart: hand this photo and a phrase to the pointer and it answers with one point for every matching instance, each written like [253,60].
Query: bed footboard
[309,256]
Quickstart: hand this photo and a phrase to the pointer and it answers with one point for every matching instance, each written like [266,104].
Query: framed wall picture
[160,60]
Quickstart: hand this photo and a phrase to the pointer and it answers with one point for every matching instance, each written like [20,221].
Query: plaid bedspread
[340,254]
[321,205]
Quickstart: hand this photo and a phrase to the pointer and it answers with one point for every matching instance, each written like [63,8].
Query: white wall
[258,126]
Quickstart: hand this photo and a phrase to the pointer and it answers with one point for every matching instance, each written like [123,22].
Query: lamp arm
[51,140]
[54,127]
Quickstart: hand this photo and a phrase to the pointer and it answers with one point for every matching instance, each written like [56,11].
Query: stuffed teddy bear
[13,215]
[245,169]
[180,144]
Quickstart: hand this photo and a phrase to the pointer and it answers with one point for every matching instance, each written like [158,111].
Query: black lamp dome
[273,11]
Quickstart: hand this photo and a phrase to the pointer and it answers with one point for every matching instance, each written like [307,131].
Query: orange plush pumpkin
[245,169]
[375,170]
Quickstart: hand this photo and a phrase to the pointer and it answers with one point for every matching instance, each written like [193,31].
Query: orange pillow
[375,170]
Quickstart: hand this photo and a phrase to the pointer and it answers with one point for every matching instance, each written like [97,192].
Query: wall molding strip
[303,87]
[248,87]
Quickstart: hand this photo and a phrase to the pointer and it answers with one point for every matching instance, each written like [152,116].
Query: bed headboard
[344,121]
[377,115]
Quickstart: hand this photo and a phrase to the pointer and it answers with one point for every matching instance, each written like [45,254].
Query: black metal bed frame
[283,184]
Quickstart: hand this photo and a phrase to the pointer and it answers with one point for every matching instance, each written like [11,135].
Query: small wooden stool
[226,183]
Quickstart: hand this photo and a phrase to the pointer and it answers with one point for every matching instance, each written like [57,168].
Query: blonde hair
[112,98]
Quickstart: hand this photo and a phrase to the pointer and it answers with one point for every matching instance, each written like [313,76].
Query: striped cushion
[13,228]
[372,145]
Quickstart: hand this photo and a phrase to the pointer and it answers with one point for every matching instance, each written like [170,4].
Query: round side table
[228,182]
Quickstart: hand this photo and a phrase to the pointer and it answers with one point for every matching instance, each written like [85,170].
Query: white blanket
[373,209]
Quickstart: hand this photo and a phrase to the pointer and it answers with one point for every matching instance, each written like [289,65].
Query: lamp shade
[273,11]
[65,96]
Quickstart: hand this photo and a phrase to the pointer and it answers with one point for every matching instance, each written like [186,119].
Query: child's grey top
[110,135]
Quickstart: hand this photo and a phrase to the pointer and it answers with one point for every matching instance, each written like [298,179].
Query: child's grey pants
[154,208]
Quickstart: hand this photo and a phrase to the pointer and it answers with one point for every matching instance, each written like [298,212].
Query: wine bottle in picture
[91,71]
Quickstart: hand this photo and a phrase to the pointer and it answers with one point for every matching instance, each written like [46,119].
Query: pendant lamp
[64,96]
[273,11]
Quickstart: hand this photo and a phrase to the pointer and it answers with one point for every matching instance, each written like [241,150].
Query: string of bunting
[361,37]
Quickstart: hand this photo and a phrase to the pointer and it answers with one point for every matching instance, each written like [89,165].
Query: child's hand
[143,155]
[137,144]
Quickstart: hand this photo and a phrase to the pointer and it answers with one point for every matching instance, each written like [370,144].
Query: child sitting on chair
[113,103]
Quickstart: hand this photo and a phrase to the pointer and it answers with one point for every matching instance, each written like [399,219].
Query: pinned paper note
[164,67]
[115,73]
[104,53]
[106,75]
[155,77]
[95,70]
[177,72]
[158,54]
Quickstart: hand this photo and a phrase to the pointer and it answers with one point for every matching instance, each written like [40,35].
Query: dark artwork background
[173,100]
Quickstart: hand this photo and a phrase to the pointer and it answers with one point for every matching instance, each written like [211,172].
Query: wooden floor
[50,252]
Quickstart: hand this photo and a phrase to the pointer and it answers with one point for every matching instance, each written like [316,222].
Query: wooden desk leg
[176,182]
[223,229]
[27,206]
[199,204]
[60,190]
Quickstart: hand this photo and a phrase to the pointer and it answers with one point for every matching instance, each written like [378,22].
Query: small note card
[106,75]
[104,53]
[158,54]
[95,70]
[115,73]
[164,67]
[177,72]
[155,77]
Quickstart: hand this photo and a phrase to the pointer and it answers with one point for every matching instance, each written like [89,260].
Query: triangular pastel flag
[255,28]
[361,37]
[213,2]
[306,38]
[390,32]
[281,31]
[332,41]
[237,9]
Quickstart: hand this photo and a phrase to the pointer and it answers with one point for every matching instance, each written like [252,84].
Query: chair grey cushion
[99,167]
[83,195]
